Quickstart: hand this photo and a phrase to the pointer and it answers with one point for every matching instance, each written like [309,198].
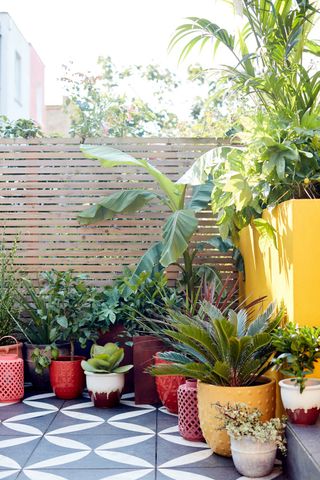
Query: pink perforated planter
[189,425]
[11,376]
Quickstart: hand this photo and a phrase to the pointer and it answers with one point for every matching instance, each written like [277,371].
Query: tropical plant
[10,280]
[281,159]
[179,227]
[70,299]
[228,349]
[58,311]
[105,359]
[241,421]
[298,349]
[19,128]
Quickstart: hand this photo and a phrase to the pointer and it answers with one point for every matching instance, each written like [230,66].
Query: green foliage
[105,360]
[298,349]
[102,105]
[10,280]
[42,359]
[19,128]
[240,421]
[281,157]
[219,348]
[59,310]
[179,227]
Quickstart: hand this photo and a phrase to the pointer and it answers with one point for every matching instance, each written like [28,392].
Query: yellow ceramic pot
[260,396]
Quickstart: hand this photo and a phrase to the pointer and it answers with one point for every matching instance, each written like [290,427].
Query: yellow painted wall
[291,273]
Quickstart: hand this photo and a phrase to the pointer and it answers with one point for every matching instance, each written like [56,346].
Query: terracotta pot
[260,396]
[105,389]
[40,381]
[9,349]
[167,387]
[144,349]
[116,335]
[301,408]
[67,377]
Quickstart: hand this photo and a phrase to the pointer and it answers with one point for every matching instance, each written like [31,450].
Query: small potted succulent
[254,443]
[298,348]
[104,376]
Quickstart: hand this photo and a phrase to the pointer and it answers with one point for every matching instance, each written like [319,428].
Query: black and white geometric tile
[44,438]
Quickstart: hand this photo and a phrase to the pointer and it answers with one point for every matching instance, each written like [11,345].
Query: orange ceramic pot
[261,396]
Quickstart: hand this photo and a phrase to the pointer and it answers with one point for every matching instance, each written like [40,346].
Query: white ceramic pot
[251,458]
[105,389]
[302,408]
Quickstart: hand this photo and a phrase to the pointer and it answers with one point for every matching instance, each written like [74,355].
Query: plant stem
[72,349]
[188,273]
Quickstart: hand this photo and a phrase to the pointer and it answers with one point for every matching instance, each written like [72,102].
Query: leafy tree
[99,106]
[22,127]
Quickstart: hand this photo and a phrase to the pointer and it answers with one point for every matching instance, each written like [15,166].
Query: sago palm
[228,349]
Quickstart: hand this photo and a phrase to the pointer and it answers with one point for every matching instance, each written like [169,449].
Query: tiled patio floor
[44,438]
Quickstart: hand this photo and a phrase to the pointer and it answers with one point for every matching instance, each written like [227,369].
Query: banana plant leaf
[123,202]
[111,157]
[177,232]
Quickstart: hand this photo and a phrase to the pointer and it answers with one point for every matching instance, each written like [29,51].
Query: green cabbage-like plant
[105,359]
[220,348]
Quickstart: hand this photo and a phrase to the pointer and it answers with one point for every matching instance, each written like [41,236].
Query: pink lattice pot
[189,425]
[11,375]
[167,387]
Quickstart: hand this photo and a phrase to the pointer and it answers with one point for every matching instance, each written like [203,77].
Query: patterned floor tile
[96,451]
[15,451]
[45,438]
[95,474]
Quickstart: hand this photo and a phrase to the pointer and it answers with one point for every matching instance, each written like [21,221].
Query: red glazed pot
[167,387]
[67,377]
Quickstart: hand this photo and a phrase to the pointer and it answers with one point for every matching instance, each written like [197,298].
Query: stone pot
[261,396]
[67,377]
[105,389]
[251,458]
[40,381]
[301,408]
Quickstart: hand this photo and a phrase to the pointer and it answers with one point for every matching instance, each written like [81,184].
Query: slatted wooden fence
[44,183]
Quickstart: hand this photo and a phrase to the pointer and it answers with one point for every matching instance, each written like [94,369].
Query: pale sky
[130,31]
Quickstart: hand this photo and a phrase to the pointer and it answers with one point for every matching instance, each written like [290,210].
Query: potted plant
[104,375]
[298,349]
[266,193]
[38,328]
[72,322]
[254,443]
[227,352]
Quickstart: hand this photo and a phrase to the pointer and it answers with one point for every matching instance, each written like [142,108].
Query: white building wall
[12,46]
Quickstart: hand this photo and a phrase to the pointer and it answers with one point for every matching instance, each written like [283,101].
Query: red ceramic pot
[167,387]
[67,377]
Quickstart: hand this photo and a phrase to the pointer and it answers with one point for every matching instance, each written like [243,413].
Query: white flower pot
[251,458]
[105,389]
[302,408]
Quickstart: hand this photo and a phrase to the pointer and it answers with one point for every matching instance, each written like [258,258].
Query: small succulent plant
[105,359]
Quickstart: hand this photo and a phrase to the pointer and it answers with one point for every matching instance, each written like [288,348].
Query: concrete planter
[260,396]
[288,274]
[251,458]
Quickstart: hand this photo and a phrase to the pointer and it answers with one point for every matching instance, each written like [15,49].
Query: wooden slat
[46,182]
